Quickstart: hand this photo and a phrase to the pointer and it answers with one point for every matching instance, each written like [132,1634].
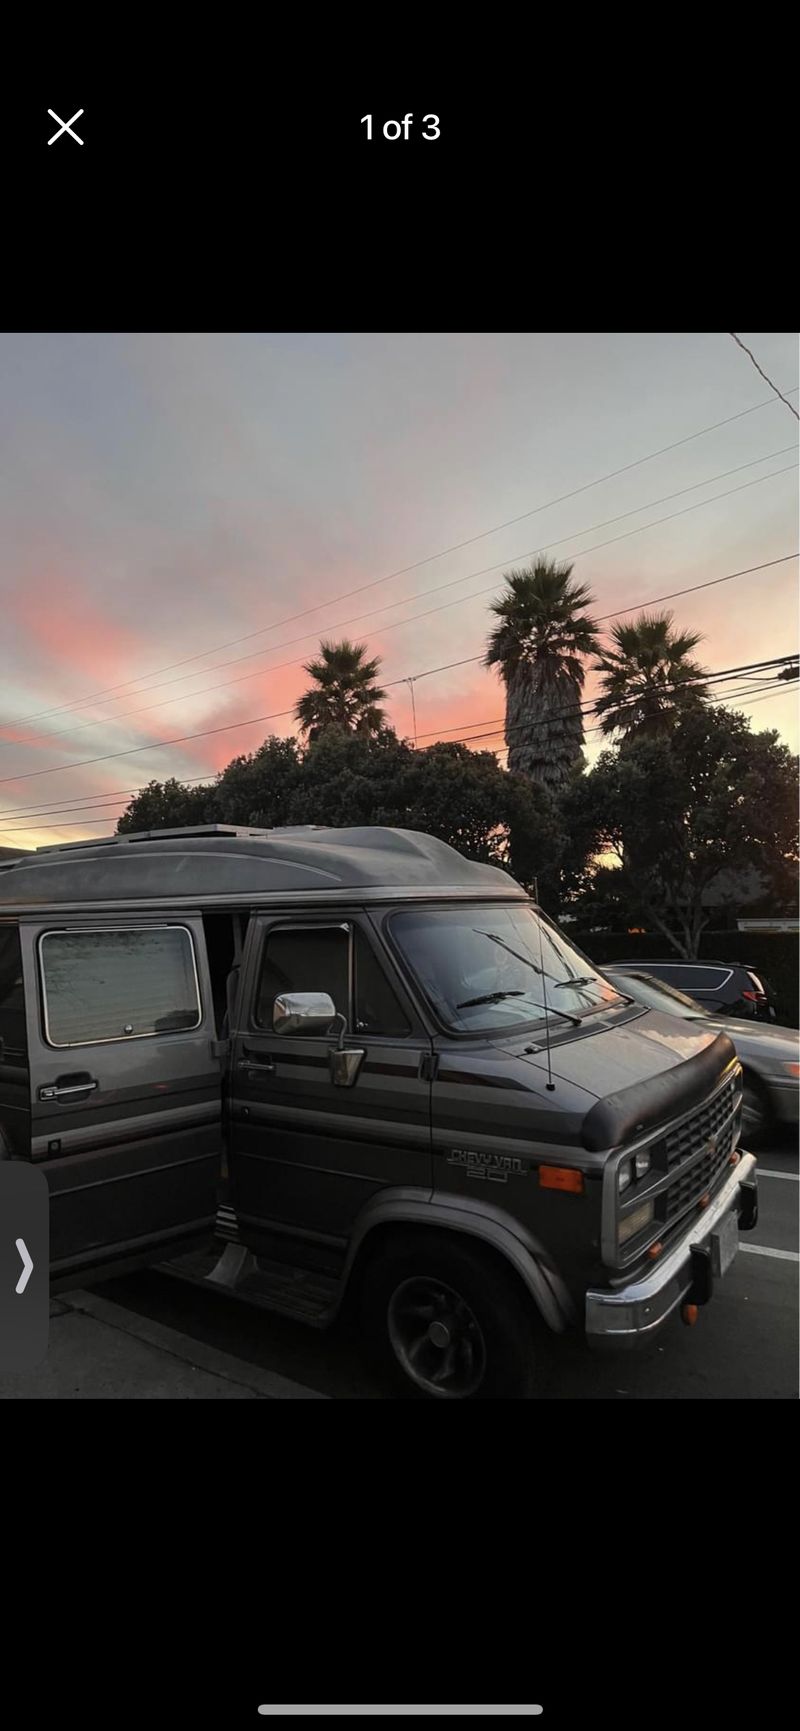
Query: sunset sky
[170,504]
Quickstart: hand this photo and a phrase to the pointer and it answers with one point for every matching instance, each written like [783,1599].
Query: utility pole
[410,683]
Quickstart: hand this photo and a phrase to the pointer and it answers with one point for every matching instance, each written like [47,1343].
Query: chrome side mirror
[315,1013]
[303,1013]
[345,1061]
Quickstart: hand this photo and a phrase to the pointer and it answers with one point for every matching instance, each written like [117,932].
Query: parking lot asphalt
[99,1350]
[744,1345]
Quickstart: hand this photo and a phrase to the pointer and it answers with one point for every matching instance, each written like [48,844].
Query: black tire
[757,1116]
[486,1328]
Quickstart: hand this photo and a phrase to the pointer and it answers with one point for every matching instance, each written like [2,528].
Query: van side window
[311,959]
[118,985]
[13,1037]
[377,1008]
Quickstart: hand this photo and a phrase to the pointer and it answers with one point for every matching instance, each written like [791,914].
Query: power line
[183,739]
[356,618]
[651,601]
[404,569]
[766,694]
[764,375]
[78,823]
[279,714]
[119,796]
[155,745]
[498,722]
[112,794]
[497,733]
[593,705]
[122,795]
[469,739]
[108,804]
[414,617]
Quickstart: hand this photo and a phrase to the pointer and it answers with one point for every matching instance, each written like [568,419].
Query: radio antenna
[551,1087]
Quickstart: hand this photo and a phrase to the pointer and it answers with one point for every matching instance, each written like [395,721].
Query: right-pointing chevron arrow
[27,1265]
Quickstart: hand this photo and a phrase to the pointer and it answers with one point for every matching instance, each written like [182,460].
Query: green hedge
[773,954]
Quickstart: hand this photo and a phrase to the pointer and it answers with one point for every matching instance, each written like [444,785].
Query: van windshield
[486,968]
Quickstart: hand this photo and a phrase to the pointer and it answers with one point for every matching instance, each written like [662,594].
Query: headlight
[635,1222]
[634,1167]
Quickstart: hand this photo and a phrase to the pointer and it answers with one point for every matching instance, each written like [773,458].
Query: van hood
[623,1080]
[601,1060]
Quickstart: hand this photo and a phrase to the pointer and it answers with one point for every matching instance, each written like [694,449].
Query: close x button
[24,1265]
[65,127]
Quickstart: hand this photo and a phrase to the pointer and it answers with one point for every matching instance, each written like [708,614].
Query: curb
[266,1384]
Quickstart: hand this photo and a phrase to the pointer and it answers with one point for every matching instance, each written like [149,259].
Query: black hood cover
[631,1112]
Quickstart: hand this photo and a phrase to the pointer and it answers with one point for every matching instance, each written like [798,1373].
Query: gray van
[304,1064]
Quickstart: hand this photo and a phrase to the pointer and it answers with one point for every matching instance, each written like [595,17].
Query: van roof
[226,864]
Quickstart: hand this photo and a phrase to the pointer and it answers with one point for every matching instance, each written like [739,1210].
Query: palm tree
[648,676]
[538,647]
[344,694]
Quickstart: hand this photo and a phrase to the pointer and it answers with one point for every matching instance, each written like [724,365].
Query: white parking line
[402,1711]
[767,1172]
[764,1250]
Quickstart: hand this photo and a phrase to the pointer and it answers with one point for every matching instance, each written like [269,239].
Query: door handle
[251,1062]
[56,1092]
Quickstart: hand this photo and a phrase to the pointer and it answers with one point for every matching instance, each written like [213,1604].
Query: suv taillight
[755,997]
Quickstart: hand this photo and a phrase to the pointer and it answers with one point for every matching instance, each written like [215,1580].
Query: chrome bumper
[632,1314]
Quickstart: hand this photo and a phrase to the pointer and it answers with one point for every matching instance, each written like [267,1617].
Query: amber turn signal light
[654,1251]
[734,1159]
[561,1178]
[689,1314]
[704,1201]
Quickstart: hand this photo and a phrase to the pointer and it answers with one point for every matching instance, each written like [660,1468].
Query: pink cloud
[63,622]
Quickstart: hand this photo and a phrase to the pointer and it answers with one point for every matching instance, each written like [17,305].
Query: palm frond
[344,693]
[647,675]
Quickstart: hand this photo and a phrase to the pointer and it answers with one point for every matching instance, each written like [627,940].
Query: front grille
[697,1153]
[700,1178]
[687,1162]
[689,1138]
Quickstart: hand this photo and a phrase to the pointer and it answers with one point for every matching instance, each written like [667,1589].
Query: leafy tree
[258,788]
[538,647]
[464,797]
[169,805]
[344,693]
[353,779]
[349,778]
[678,809]
[488,813]
[648,676]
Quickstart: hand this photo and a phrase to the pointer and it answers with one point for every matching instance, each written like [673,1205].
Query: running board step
[302,1293]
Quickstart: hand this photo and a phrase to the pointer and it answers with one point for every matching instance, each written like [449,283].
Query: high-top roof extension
[220,862]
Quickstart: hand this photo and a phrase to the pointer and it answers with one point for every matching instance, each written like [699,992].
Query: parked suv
[313,1064]
[732,988]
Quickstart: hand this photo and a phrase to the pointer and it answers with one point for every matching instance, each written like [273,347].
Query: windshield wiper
[488,998]
[492,936]
[580,980]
